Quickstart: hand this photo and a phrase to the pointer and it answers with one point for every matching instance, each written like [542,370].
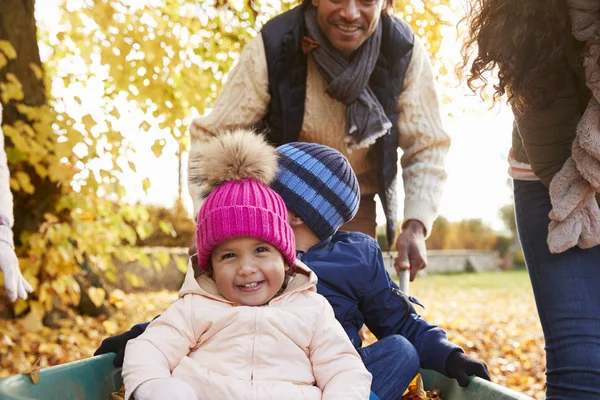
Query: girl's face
[248,271]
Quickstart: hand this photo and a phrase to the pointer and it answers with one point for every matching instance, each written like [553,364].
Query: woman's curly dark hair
[526,40]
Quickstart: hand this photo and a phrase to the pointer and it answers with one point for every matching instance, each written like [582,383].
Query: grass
[492,316]
[504,280]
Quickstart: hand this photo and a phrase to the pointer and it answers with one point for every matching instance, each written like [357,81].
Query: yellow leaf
[97,295]
[132,166]
[77,99]
[34,374]
[135,280]
[110,326]
[7,48]
[37,71]
[88,121]
[181,263]
[11,89]
[146,184]
[145,126]
[116,298]
[167,228]
[3,61]
[32,322]
[20,307]
[14,185]
[50,218]
[157,147]
[24,182]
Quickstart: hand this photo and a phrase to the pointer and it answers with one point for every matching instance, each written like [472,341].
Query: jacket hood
[304,279]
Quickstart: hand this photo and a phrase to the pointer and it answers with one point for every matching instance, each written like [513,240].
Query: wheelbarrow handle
[403,276]
[404,279]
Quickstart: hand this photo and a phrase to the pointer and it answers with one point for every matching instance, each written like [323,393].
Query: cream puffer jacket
[291,348]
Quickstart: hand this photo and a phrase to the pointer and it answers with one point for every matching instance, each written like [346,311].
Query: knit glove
[164,388]
[459,366]
[117,344]
[14,283]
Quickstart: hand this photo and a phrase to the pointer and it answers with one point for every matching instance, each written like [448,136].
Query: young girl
[251,326]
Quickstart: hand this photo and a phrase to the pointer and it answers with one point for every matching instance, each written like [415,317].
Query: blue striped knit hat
[318,184]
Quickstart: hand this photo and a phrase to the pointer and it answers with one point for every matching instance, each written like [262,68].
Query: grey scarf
[347,82]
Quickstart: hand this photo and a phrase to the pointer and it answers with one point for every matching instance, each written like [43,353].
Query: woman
[539,48]
[14,283]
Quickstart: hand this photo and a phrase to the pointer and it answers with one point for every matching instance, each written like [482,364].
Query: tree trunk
[18,26]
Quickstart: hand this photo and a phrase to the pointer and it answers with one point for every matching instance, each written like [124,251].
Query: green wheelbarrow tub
[96,378]
[88,379]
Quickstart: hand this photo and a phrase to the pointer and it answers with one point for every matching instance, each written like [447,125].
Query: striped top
[519,170]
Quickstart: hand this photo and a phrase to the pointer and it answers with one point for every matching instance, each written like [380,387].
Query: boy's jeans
[393,362]
[567,293]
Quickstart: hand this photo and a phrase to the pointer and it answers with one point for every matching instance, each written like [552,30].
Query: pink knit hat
[234,170]
[243,208]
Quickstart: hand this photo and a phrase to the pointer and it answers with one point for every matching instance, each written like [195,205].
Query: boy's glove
[460,367]
[116,344]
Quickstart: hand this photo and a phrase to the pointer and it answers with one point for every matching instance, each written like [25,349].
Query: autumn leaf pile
[497,325]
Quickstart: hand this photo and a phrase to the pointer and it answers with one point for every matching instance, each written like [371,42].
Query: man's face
[348,23]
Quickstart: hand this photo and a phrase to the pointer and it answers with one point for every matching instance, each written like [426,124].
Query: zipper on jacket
[256,309]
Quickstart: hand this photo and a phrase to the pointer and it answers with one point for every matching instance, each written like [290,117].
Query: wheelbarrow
[96,378]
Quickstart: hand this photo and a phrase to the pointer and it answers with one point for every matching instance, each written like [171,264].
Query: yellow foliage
[24,182]
[97,295]
[7,48]
[426,19]
[37,71]
[470,234]
[11,89]
[146,184]
[157,147]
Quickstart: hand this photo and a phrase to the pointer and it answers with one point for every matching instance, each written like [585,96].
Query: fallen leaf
[32,322]
[111,327]
[120,395]
[97,295]
[34,374]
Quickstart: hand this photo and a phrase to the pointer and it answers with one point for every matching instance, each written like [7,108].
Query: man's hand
[412,253]
[460,367]
[14,283]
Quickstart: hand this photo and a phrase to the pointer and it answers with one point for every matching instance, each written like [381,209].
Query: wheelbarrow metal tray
[96,378]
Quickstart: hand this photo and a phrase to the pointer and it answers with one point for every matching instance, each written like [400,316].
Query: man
[321,193]
[346,74]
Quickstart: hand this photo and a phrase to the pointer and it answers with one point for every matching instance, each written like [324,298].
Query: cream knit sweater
[244,101]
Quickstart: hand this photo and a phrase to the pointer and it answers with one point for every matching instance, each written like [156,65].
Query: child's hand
[460,367]
[14,283]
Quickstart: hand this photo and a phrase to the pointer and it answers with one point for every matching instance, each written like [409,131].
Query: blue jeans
[566,287]
[393,361]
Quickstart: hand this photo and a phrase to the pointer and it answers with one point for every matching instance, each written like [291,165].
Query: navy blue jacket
[353,278]
[287,69]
